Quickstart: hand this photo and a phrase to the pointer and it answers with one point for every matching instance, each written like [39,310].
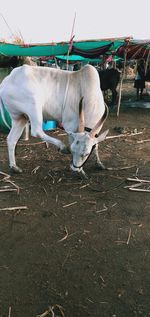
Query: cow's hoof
[65,150]
[83,175]
[79,171]
[100,166]
[80,175]
[16,169]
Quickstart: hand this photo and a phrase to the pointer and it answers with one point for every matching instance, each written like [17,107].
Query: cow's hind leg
[15,133]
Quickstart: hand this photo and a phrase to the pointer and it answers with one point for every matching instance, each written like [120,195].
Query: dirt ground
[72,247]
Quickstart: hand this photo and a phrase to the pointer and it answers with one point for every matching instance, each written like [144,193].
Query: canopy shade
[91,49]
[134,50]
[62,48]
[92,53]
[76,58]
[33,50]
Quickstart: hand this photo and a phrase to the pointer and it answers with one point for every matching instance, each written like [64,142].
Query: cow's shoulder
[89,72]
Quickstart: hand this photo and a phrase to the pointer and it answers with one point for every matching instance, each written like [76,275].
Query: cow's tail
[2,113]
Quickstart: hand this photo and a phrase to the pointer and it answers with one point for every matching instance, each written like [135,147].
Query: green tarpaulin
[62,48]
[33,50]
[52,49]
[87,45]
[75,58]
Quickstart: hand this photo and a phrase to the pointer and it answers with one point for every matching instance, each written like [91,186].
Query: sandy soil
[72,247]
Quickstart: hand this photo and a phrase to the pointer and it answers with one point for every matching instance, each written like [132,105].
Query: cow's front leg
[99,164]
[48,139]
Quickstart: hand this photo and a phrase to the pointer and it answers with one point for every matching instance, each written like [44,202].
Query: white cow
[41,93]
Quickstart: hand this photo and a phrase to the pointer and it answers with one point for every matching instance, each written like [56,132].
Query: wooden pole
[121,81]
[146,66]
[70,43]
[147,61]
[56,64]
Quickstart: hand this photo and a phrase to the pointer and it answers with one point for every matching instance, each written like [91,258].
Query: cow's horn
[98,126]
[81,116]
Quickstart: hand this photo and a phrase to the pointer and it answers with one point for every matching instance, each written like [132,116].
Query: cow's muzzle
[85,160]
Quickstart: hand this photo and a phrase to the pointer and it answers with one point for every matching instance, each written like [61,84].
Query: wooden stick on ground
[129,236]
[51,310]
[143,141]
[138,180]
[119,168]
[7,180]
[139,189]
[45,313]
[65,237]
[13,208]
[122,135]
[9,312]
[71,204]
[8,190]
[26,144]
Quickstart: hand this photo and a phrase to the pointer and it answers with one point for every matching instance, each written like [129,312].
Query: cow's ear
[102,136]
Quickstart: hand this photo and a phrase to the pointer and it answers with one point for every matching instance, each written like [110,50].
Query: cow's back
[53,92]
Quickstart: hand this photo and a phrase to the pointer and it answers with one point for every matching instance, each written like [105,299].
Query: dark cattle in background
[14,61]
[9,61]
[109,79]
[147,76]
